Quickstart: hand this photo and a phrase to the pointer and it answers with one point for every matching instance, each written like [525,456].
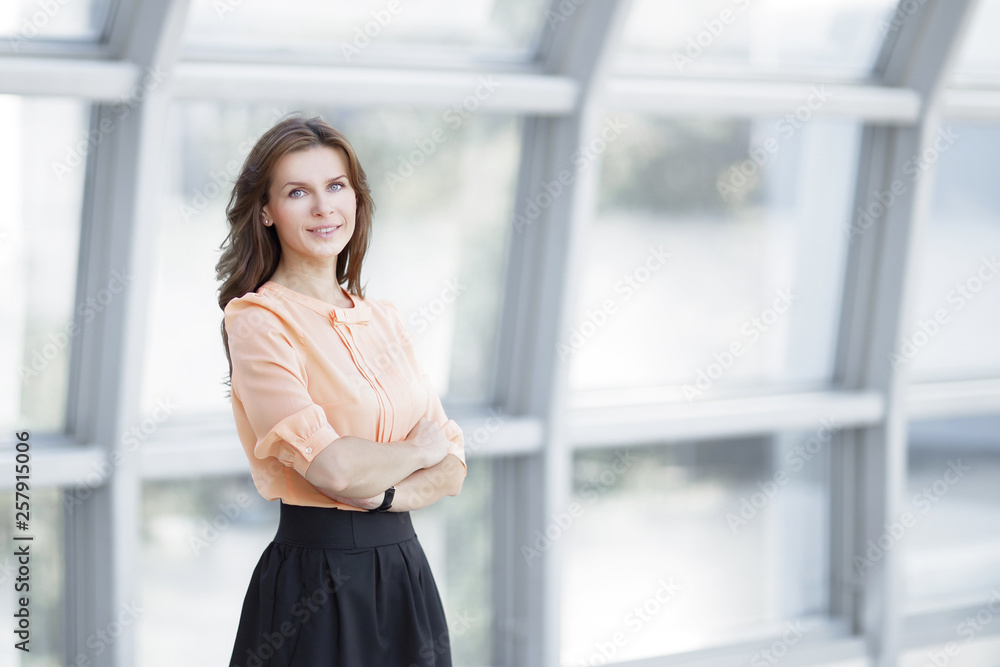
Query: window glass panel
[677,547]
[45,579]
[706,272]
[828,37]
[953,545]
[957,303]
[978,650]
[22,21]
[437,249]
[456,534]
[979,55]
[42,169]
[354,31]
[203,538]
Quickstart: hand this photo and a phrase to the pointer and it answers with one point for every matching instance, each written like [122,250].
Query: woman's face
[312,205]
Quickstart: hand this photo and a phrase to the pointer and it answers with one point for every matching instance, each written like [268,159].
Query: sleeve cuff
[298,438]
[454,433]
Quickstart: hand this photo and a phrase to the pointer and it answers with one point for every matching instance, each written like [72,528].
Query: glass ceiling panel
[836,38]
[22,21]
[979,56]
[355,31]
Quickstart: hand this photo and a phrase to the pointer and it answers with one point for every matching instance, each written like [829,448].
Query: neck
[319,282]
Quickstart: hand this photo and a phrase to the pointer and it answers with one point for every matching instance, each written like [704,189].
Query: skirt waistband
[332,528]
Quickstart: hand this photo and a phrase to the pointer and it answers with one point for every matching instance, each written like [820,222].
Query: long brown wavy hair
[251,250]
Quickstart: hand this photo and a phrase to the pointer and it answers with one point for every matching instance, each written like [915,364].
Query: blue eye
[292,193]
[339,186]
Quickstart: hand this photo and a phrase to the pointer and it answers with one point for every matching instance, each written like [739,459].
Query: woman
[337,420]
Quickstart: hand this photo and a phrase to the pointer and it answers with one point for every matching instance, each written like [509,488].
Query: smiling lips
[325,232]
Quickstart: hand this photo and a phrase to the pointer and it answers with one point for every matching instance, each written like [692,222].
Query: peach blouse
[306,372]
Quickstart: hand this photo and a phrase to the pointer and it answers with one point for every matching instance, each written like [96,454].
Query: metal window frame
[103,530]
[543,261]
[877,300]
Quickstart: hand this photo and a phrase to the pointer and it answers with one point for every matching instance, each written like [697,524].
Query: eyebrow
[307,185]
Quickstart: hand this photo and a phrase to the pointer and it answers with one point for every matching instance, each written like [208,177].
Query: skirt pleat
[345,589]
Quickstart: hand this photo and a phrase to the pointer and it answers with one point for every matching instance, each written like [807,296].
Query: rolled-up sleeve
[434,410]
[452,431]
[269,379]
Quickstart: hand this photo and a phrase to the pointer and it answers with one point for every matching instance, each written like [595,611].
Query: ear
[266,214]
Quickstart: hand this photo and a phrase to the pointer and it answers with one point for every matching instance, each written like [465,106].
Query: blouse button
[309,450]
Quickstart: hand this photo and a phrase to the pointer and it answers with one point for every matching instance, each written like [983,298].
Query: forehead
[311,164]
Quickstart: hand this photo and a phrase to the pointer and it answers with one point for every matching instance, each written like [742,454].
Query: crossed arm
[419,489]
[357,471]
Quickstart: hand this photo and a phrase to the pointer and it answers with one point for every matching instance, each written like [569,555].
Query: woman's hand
[430,437]
[428,485]
[364,503]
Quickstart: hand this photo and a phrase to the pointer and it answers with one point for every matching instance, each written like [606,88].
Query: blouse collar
[360,313]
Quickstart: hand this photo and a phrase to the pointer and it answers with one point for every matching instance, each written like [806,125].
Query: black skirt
[344,589]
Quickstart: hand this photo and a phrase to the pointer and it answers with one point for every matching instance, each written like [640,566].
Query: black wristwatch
[386,501]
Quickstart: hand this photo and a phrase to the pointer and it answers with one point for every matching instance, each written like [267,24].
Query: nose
[325,205]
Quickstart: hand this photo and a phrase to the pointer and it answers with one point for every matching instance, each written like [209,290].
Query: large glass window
[352,32]
[952,545]
[443,186]
[716,260]
[25,21]
[953,334]
[979,55]
[677,547]
[830,38]
[42,168]
[456,536]
[203,535]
